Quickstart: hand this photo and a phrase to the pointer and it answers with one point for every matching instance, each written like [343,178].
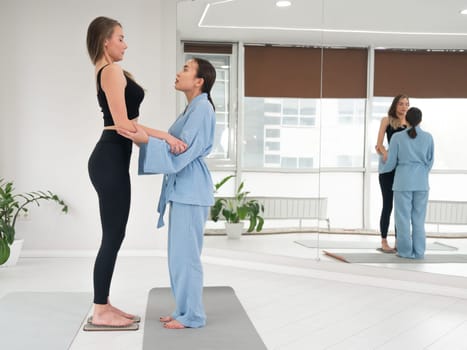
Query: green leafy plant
[238,208]
[11,206]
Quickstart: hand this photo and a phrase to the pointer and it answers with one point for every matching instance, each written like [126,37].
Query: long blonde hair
[394,120]
[100,29]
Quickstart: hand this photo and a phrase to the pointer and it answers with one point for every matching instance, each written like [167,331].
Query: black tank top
[134,95]
[391,131]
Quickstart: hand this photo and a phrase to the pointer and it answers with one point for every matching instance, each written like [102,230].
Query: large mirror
[301,93]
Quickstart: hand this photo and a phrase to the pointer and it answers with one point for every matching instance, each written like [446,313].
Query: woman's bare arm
[380,149]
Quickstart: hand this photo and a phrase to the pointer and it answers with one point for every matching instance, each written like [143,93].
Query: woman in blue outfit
[394,122]
[187,188]
[411,154]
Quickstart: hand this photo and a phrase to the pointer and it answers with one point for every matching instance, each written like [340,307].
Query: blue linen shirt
[412,159]
[187,178]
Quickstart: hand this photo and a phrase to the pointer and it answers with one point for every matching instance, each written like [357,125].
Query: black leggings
[385,182]
[108,169]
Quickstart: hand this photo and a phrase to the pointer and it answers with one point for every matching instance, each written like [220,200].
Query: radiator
[294,208]
[446,212]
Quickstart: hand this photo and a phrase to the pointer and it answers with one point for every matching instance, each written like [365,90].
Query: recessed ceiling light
[464,12]
[283,3]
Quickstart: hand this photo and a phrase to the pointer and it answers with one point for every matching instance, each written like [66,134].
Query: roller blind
[345,73]
[282,72]
[207,48]
[421,74]
[296,72]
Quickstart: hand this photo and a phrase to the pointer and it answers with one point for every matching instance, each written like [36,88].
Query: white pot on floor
[234,231]
[15,251]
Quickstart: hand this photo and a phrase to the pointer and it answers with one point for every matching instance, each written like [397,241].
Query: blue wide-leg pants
[410,212]
[185,243]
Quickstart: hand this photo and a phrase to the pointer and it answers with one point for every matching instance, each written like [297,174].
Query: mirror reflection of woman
[394,122]
[411,154]
[119,97]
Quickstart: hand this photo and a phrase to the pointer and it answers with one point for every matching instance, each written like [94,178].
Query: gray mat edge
[303,243]
[392,258]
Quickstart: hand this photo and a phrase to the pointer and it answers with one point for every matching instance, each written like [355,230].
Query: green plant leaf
[252,224]
[4,251]
[12,205]
[260,224]
[223,181]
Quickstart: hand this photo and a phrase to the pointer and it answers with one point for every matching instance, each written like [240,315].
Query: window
[223,93]
[441,118]
[280,133]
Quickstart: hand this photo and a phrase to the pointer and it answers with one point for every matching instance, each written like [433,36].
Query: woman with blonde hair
[119,97]
[411,154]
[392,123]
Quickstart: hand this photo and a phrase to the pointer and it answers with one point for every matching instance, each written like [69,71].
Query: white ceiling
[434,24]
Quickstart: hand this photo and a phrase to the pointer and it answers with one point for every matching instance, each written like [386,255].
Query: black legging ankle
[385,182]
[108,170]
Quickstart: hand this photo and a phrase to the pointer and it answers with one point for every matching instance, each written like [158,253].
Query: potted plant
[11,206]
[235,209]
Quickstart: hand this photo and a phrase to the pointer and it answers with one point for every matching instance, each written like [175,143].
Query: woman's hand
[176,146]
[138,137]
[385,155]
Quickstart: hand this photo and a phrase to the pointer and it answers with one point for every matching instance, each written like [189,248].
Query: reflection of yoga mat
[313,243]
[383,258]
[41,321]
[228,326]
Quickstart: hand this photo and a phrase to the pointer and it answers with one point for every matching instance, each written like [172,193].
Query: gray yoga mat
[383,258]
[313,243]
[41,320]
[228,326]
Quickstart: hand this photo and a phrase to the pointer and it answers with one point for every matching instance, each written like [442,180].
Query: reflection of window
[273,132]
[342,133]
[450,132]
[289,162]
[305,163]
[280,132]
[287,129]
[273,146]
[290,121]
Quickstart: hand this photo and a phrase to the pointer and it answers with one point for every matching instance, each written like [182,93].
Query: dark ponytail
[206,71]
[413,117]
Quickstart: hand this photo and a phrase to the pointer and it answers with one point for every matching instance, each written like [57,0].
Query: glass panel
[342,133]
[446,134]
[278,133]
[344,192]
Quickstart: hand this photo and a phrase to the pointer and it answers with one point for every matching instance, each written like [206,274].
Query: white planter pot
[15,250]
[234,231]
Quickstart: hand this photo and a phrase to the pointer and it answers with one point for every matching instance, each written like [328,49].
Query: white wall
[50,120]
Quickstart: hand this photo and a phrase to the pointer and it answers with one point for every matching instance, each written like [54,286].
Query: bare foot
[174,324]
[165,319]
[109,318]
[385,246]
[120,312]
